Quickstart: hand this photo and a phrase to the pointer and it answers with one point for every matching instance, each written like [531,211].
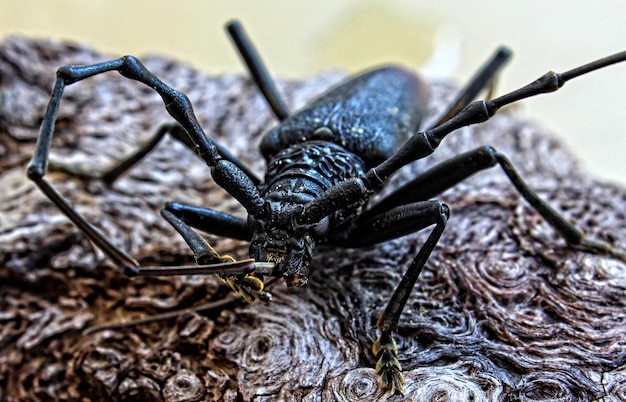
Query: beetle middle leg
[450,172]
[174,130]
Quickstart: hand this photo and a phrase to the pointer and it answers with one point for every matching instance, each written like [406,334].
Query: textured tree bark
[504,310]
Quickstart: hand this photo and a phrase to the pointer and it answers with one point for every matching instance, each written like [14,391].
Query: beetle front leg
[388,225]
[210,262]
[388,367]
[248,283]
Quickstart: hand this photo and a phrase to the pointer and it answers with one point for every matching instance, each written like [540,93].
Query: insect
[324,164]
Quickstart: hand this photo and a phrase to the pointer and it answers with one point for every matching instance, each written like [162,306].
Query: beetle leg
[484,78]
[245,282]
[175,131]
[370,229]
[387,225]
[384,348]
[437,179]
[257,70]
[448,173]
[210,221]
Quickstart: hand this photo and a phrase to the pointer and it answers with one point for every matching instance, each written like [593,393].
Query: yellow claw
[388,367]
[248,286]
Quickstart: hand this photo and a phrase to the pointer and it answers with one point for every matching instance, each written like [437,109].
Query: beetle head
[279,238]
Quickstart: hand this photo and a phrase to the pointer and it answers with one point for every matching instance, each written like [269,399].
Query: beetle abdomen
[370,115]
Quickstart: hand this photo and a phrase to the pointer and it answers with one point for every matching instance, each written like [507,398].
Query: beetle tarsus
[601,248]
[388,367]
[249,287]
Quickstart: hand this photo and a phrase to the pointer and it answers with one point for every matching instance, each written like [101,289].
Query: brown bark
[503,311]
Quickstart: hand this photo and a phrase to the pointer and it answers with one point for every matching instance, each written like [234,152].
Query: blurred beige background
[445,39]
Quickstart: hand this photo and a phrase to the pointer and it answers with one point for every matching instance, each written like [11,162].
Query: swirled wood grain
[502,312]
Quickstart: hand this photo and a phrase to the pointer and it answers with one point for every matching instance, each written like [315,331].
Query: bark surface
[503,311]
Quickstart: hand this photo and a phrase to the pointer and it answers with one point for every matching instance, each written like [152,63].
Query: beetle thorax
[295,177]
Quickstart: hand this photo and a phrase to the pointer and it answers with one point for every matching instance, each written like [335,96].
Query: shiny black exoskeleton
[323,165]
[343,133]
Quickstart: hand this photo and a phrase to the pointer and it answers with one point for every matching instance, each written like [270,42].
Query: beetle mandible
[323,165]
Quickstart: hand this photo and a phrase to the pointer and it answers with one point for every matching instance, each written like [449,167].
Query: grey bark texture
[503,311]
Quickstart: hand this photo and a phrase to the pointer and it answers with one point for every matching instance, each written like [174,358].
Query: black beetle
[323,165]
